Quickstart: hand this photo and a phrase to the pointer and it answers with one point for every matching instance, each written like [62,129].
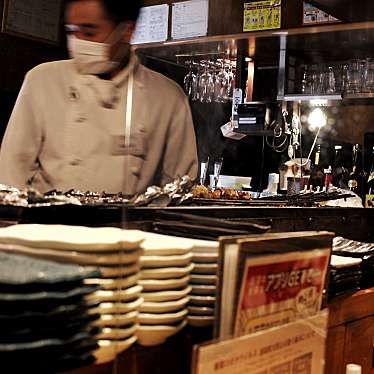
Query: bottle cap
[353,369]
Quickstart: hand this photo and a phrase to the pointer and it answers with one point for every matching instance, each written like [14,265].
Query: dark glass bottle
[339,171]
[370,180]
[356,178]
[317,176]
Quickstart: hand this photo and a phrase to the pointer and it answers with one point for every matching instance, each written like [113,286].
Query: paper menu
[152,25]
[190,19]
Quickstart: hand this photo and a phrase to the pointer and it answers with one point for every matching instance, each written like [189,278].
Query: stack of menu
[270,280]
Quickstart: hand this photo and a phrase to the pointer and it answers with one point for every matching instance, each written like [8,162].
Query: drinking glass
[368,75]
[206,85]
[221,82]
[330,80]
[354,76]
[190,83]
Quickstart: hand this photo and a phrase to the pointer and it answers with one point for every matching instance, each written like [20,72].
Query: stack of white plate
[165,277]
[114,251]
[203,282]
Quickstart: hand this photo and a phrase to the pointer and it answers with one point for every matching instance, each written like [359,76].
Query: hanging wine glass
[221,85]
[189,82]
[206,84]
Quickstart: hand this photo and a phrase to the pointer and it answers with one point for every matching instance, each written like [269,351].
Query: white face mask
[92,57]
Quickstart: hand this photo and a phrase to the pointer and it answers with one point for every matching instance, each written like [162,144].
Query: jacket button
[135,170]
[75,162]
[80,120]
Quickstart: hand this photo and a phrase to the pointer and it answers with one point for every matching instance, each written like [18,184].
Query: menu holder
[297,347]
[268,280]
[38,20]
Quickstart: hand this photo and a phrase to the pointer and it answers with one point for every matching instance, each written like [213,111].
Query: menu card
[298,347]
[152,25]
[38,19]
[190,19]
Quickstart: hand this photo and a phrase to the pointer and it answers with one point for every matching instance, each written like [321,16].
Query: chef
[100,121]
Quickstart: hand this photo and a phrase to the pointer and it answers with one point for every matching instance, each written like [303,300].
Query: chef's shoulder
[49,73]
[161,86]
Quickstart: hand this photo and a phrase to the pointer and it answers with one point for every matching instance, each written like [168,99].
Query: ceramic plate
[41,344]
[164,307]
[117,320]
[204,279]
[40,296]
[205,246]
[117,334]
[205,258]
[202,300]
[116,296]
[200,311]
[166,273]
[77,238]
[119,271]
[73,257]
[22,270]
[166,295]
[162,319]
[109,350]
[115,283]
[117,308]
[164,245]
[205,269]
[165,261]
[203,290]
[200,321]
[155,335]
[164,284]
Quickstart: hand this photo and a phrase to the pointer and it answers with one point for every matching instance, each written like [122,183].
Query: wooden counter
[350,340]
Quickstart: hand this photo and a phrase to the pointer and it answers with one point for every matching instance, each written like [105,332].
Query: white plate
[115,296]
[165,261]
[203,290]
[202,300]
[161,245]
[154,335]
[166,273]
[205,258]
[205,246]
[205,269]
[163,318]
[200,311]
[115,283]
[117,320]
[204,279]
[164,284]
[74,257]
[109,349]
[77,238]
[201,321]
[117,308]
[120,271]
[166,295]
[108,333]
[163,307]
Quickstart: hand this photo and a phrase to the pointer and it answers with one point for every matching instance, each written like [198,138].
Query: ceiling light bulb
[317,119]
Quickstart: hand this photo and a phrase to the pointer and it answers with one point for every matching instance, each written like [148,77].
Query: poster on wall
[262,15]
[190,19]
[36,19]
[152,25]
[313,15]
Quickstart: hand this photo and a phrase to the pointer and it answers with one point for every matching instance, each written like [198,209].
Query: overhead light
[317,119]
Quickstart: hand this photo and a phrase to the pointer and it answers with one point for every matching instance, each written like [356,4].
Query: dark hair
[120,10]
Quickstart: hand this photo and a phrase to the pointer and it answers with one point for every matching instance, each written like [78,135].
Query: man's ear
[128,30]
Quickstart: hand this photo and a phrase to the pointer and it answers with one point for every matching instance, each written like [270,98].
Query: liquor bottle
[317,176]
[356,178]
[370,180]
[339,171]
[328,179]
